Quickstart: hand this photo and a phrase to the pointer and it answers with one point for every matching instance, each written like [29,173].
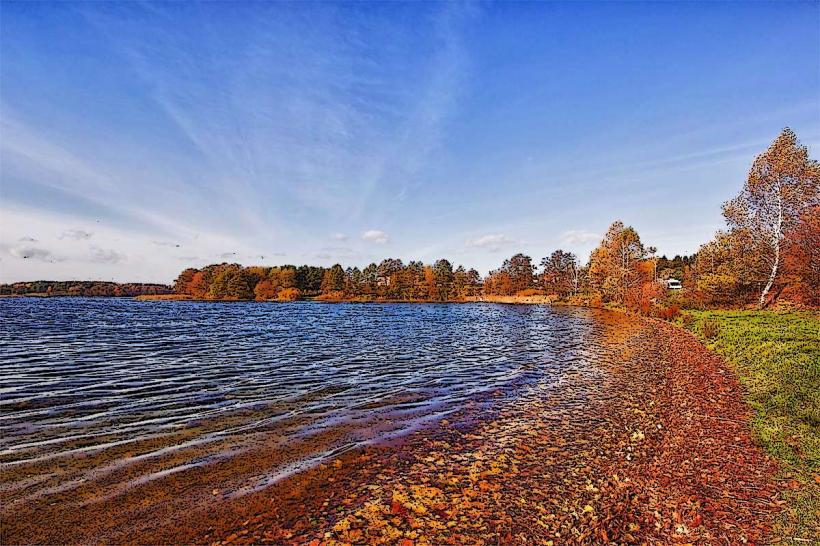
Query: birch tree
[782,183]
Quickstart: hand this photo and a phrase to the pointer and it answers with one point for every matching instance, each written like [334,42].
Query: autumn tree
[782,184]
[183,281]
[265,290]
[240,285]
[198,287]
[802,258]
[560,273]
[333,279]
[221,275]
[614,265]
[729,268]
[520,271]
[499,283]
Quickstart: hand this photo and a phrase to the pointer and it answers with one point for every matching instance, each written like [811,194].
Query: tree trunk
[777,237]
[762,304]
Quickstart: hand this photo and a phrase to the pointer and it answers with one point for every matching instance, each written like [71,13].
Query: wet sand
[651,444]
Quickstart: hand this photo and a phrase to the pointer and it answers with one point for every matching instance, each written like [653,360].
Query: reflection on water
[121,382]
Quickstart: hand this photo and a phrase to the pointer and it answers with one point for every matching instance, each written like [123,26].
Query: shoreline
[511,300]
[584,458]
[425,488]
[502,300]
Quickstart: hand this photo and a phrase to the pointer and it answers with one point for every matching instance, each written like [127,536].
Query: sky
[137,139]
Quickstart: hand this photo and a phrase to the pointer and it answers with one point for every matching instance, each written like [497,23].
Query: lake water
[125,392]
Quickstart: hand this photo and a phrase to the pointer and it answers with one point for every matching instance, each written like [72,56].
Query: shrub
[336,295]
[709,328]
[668,313]
[289,294]
[718,288]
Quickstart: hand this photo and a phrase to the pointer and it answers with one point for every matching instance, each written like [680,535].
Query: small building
[673,284]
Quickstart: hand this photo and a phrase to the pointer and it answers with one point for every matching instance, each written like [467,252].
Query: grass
[777,358]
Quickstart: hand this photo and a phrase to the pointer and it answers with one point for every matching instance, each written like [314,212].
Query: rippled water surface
[140,380]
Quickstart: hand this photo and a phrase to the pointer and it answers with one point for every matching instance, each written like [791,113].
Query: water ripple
[85,375]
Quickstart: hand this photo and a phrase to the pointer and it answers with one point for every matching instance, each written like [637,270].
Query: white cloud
[375,236]
[339,236]
[493,242]
[76,234]
[579,237]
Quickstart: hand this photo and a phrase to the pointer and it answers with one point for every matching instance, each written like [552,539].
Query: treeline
[621,270]
[770,250]
[83,288]
[233,282]
[390,280]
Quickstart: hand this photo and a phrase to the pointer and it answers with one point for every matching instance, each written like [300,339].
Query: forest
[83,288]
[768,251]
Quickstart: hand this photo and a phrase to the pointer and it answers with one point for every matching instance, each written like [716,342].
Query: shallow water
[121,382]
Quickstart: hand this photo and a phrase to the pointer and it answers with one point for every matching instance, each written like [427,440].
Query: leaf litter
[654,448]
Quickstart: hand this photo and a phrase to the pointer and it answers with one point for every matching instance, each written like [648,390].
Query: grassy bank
[777,357]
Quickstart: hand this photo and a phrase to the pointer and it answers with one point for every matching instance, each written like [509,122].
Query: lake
[100,396]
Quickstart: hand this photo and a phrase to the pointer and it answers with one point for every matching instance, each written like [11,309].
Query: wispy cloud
[375,236]
[306,112]
[339,236]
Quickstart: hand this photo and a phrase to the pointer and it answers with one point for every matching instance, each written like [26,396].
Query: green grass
[777,358]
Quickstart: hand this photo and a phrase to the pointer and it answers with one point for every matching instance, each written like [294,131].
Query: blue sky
[138,139]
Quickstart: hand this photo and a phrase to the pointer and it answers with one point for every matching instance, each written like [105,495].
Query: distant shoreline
[512,300]
[515,300]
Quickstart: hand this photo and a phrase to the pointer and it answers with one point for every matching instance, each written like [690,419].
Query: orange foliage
[289,294]
[198,286]
[265,290]
[802,260]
